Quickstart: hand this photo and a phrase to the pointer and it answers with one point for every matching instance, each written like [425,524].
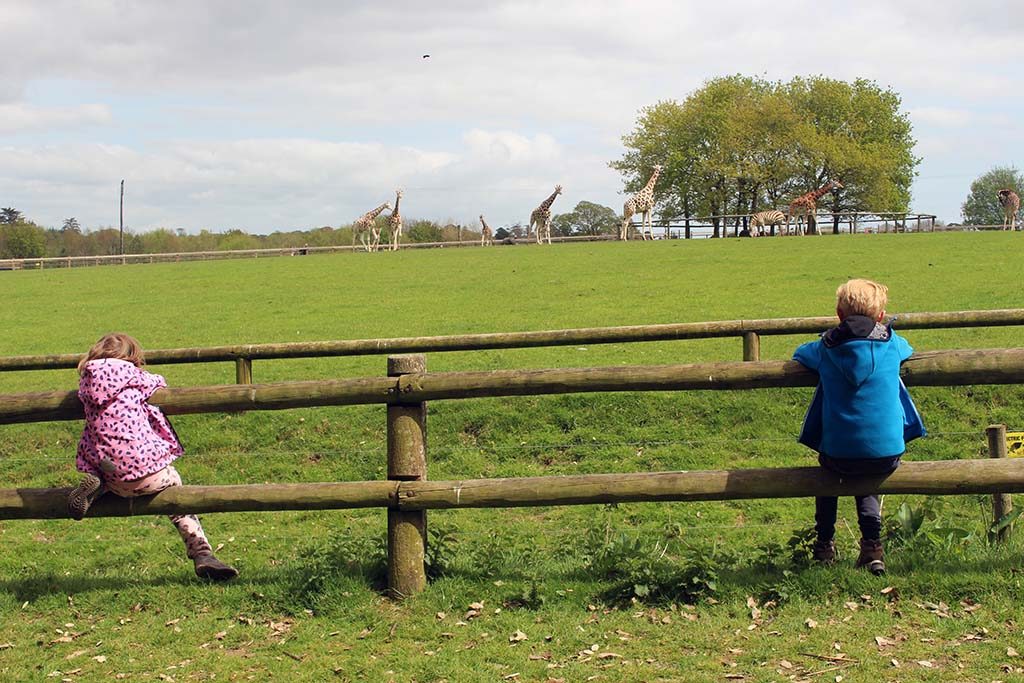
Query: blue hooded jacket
[861,409]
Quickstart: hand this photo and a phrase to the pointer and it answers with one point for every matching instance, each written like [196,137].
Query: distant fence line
[857,221]
[178,256]
[750,331]
[407,494]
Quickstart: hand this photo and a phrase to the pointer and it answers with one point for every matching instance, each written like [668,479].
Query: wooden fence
[750,331]
[407,493]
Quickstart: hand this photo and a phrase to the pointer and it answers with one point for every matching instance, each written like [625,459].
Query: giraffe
[642,202]
[805,206]
[486,234]
[365,228]
[541,217]
[1010,202]
[395,221]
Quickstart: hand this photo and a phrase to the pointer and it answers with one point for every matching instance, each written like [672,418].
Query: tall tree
[22,240]
[740,143]
[982,205]
[9,215]
[587,218]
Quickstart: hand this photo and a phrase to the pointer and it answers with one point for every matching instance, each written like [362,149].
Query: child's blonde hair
[862,297]
[115,345]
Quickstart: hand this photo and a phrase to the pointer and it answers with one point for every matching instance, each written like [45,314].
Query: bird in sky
[426,56]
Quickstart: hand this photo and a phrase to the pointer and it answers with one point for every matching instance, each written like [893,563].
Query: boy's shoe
[209,567]
[871,556]
[82,496]
[824,553]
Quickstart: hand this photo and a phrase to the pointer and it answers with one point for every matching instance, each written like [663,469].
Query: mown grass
[116,596]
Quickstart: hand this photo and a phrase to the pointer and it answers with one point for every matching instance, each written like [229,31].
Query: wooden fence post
[243,371]
[751,346]
[407,461]
[1002,504]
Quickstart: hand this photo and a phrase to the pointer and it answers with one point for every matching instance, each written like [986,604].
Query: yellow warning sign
[1015,444]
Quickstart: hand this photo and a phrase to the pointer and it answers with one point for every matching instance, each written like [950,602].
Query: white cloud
[21,117]
[267,114]
[945,117]
[263,185]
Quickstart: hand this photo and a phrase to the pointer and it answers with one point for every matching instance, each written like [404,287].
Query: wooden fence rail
[933,368]
[407,493]
[947,477]
[748,330]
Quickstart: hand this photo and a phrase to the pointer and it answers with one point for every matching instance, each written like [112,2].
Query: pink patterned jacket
[120,426]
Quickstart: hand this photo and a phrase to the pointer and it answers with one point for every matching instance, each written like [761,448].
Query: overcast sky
[284,115]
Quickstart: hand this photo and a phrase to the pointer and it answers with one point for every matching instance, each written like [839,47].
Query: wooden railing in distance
[748,330]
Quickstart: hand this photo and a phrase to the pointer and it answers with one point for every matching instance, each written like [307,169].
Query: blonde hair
[862,297]
[115,345]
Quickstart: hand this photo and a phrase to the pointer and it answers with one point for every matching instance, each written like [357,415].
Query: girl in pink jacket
[128,446]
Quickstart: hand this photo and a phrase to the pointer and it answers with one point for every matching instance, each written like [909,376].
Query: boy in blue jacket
[861,415]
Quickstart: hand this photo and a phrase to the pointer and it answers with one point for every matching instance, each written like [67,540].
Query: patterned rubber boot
[871,556]
[209,567]
[824,553]
[82,496]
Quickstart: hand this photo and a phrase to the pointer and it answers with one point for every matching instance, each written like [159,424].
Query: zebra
[766,219]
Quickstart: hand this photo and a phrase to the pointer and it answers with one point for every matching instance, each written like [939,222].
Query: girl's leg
[191,531]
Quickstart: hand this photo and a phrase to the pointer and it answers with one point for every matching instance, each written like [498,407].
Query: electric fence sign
[1015,444]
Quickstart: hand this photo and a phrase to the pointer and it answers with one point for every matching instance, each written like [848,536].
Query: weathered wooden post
[751,346]
[407,461]
[243,370]
[1002,504]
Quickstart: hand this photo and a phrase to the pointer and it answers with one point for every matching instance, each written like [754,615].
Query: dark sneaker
[209,567]
[824,553]
[82,496]
[871,556]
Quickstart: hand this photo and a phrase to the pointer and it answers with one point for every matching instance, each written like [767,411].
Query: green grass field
[639,592]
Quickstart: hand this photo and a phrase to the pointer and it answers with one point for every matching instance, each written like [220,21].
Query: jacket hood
[103,379]
[852,346]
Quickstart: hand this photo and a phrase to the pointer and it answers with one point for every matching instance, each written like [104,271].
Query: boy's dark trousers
[869,511]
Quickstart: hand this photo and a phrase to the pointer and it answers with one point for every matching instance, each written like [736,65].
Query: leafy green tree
[9,216]
[22,240]
[858,135]
[738,144]
[423,231]
[71,225]
[982,204]
[587,218]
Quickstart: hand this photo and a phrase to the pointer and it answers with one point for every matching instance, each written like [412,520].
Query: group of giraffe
[366,230]
[802,209]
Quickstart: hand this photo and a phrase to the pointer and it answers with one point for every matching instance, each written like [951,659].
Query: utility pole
[122,217]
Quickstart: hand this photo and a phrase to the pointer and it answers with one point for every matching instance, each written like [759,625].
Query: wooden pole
[1002,504]
[751,346]
[407,461]
[243,371]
